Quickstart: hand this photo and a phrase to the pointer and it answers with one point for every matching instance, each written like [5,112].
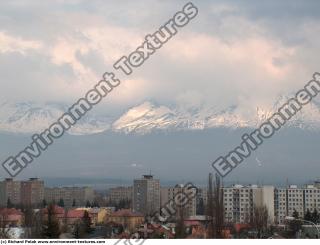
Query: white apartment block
[169,193]
[293,198]
[239,202]
[69,194]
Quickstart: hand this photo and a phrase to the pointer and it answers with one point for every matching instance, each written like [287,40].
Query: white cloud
[223,57]
[9,43]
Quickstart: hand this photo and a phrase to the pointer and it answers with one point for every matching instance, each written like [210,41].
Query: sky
[240,53]
[234,53]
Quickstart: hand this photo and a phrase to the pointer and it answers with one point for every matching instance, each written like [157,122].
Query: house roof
[57,210]
[10,211]
[76,213]
[125,213]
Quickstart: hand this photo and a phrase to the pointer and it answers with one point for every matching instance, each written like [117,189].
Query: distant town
[145,209]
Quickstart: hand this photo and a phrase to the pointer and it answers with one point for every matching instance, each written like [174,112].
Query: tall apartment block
[121,193]
[146,195]
[240,201]
[69,194]
[10,189]
[169,193]
[292,198]
[28,192]
[32,191]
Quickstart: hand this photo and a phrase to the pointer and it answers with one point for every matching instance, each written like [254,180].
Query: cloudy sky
[241,53]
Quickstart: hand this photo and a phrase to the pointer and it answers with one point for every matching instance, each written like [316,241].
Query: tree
[180,231]
[308,215]
[74,203]
[33,223]
[218,208]
[9,203]
[86,220]
[61,203]
[44,203]
[210,208]
[95,204]
[4,229]
[51,227]
[88,204]
[78,230]
[200,207]
[215,209]
[260,220]
[295,225]
[315,216]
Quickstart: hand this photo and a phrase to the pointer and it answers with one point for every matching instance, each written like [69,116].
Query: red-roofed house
[69,217]
[75,215]
[125,217]
[11,217]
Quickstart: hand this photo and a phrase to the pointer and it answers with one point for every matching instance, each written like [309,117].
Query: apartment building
[32,191]
[120,193]
[146,195]
[70,195]
[10,190]
[292,198]
[169,193]
[240,201]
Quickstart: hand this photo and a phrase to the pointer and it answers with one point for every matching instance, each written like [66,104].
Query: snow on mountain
[33,118]
[148,117]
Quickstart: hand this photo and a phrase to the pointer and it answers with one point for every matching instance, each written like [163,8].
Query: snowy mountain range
[147,117]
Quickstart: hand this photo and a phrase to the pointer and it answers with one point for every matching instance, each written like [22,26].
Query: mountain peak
[147,117]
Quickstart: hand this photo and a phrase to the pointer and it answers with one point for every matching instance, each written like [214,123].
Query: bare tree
[180,217]
[4,229]
[214,207]
[260,220]
[210,208]
[218,208]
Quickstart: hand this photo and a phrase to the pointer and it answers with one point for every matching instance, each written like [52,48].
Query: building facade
[169,193]
[292,198]
[240,201]
[32,191]
[77,196]
[10,190]
[146,195]
[121,193]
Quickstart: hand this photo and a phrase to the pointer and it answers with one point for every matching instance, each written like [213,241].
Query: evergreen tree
[200,207]
[88,204]
[295,214]
[51,227]
[315,216]
[44,203]
[95,204]
[308,215]
[296,224]
[61,203]
[9,203]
